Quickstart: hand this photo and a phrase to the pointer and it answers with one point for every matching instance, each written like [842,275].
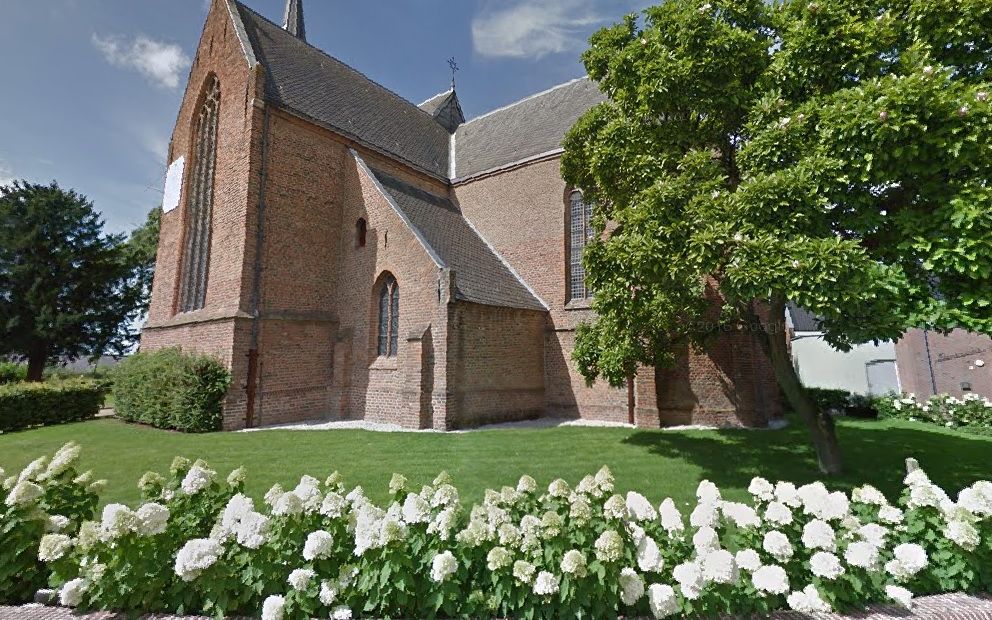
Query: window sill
[384,363]
[579,304]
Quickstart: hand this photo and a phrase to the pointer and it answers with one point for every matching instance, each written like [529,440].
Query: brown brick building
[954,363]
[352,255]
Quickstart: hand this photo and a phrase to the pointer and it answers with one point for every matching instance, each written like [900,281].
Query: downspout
[253,387]
[933,377]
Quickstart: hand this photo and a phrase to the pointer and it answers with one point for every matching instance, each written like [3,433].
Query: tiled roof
[480,275]
[321,88]
[532,126]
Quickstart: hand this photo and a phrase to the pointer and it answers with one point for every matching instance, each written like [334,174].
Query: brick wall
[953,357]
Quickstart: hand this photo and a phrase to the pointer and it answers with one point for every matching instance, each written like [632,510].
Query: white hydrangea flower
[53,547]
[197,479]
[251,530]
[817,534]
[705,514]
[826,565]
[574,563]
[909,559]
[509,535]
[788,494]
[65,458]
[604,481]
[761,489]
[328,592]
[237,477]
[288,504]
[748,559]
[34,470]
[609,546]
[333,505]
[397,483]
[631,586]
[867,494]
[873,533]
[778,513]
[273,608]
[963,534]
[196,556]
[318,545]
[24,492]
[705,539]
[300,578]
[273,494]
[977,498]
[341,612]
[559,488]
[707,492]
[900,595]
[415,509]
[615,508]
[719,567]
[443,566]
[444,523]
[862,554]
[153,518]
[523,571]
[444,495]
[308,490]
[890,515]
[56,523]
[526,484]
[662,600]
[649,558]
[777,544]
[671,518]
[808,601]
[640,508]
[771,579]
[118,520]
[689,575]
[742,515]
[72,592]
[546,584]
[497,558]
[580,510]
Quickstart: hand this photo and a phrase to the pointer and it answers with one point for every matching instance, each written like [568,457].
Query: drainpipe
[933,377]
[253,387]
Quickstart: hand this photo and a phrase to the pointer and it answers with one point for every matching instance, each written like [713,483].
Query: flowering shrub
[198,544]
[48,495]
[973,412]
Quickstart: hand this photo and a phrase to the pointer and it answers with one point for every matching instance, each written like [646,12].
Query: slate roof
[803,320]
[306,80]
[431,105]
[530,127]
[480,275]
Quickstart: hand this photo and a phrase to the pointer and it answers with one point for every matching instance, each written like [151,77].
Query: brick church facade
[351,255]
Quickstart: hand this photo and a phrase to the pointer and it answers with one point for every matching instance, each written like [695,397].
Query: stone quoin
[351,255]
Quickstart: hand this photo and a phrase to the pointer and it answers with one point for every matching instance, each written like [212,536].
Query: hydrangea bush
[972,412]
[319,549]
[46,502]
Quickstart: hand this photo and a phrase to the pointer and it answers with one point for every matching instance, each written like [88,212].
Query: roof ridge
[433,97]
[337,60]
[527,98]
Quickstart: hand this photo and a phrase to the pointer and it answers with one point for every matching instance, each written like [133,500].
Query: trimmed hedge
[171,389]
[12,372]
[23,405]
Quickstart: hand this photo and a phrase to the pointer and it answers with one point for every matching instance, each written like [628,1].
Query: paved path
[944,606]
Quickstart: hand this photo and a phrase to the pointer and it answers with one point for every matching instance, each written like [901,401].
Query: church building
[351,255]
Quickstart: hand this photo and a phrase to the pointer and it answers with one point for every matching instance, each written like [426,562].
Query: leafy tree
[142,248]
[835,153]
[67,290]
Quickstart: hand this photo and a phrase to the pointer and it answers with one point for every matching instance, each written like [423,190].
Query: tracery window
[389,317]
[580,213]
[199,204]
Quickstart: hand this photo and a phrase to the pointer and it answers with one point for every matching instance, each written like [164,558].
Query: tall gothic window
[389,317]
[199,204]
[581,232]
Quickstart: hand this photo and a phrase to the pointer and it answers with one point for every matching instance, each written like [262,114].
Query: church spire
[293,24]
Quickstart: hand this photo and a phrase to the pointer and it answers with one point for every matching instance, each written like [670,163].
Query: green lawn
[656,463]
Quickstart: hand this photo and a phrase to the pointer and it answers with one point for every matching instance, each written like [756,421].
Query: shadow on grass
[872,452]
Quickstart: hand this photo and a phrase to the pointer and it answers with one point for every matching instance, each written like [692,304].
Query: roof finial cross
[454,67]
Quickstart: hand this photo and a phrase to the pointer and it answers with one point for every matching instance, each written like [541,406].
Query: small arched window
[199,203]
[580,213]
[389,317]
[361,231]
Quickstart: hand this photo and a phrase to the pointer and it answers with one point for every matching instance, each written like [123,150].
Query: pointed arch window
[199,203]
[389,317]
[361,232]
[581,232]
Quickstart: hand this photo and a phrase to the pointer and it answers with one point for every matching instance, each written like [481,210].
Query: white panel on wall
[173,184]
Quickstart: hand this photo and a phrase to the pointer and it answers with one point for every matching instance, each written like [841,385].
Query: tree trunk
[820,424]
[37,358]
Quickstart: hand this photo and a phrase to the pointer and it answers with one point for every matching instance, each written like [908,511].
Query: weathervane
[454,67]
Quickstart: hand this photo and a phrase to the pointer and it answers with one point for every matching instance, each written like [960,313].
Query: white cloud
[6,174]
[162,63]
[532,29]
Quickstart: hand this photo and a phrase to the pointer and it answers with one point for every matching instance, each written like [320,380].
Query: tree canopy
[834,153]
[67,290]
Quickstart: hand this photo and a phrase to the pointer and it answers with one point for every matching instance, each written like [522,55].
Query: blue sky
[92,87]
